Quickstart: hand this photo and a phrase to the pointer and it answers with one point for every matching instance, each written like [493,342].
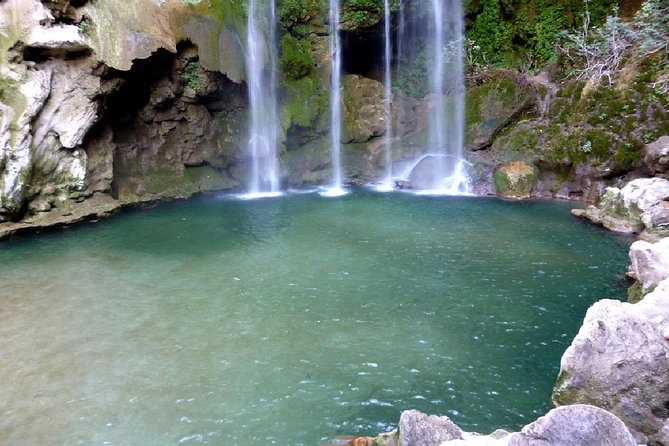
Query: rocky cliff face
[104,104]
[111,103]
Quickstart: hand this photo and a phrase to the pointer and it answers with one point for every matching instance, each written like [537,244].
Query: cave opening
[133,87]
[159,94]
[363,50]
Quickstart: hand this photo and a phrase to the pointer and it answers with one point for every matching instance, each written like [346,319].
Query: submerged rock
[619,362]
[642,203]
[515,180]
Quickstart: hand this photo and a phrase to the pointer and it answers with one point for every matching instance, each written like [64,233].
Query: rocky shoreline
[613,386]
[88,129]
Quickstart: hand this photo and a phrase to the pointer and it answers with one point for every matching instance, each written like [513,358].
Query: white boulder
[650,262]
[619,361]
[642,203]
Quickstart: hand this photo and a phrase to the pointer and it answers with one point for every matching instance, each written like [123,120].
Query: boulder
[436,171]
[418,429]
[364,113]
[575,425]
[663,436]
[650,262]
[515,180]
[578,424]
[492,104]
[656,157]
[16,154]
[642,203]
[619,361]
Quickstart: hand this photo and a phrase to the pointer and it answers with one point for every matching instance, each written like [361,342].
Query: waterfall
[262,81]
[387,183]
[335,188]
[438,34]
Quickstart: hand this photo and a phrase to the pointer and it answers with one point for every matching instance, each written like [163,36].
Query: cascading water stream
[262,80]
[441,168]
[387,183]
[335,188]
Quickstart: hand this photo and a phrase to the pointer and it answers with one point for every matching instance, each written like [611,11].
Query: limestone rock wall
[66,65]
[47,105]
[75,120]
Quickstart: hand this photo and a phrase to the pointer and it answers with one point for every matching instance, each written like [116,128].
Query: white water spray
[262,81]
[387,183]
[335,188]
[442,169]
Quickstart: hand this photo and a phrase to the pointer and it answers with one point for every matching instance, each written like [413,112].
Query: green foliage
[227,11]
[649,136]
[652,23]
[598,52]
[85,26]
[293,13]
[412,78]
[587,147]
[491,33]
[551,22]
[191,74]
[361,13]
[523,35]
[296,60]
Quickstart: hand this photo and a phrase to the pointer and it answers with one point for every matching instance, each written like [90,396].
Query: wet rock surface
[578,424]
[515,180]
[640,204]
[619,361]
[656,157]
[650,262]
[574,425]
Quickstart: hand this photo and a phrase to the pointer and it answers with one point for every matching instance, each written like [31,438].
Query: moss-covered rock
[296,60]
[364,113]
[493,103]
[639,204]
[515,180]
[305,101]
[217,29]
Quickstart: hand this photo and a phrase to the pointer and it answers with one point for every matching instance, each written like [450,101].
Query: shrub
[597,53]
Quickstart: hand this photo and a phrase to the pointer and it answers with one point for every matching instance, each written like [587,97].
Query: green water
[288,321]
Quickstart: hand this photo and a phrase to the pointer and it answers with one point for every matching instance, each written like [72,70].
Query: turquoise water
[288,321]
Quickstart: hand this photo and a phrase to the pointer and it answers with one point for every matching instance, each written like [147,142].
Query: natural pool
[287,321]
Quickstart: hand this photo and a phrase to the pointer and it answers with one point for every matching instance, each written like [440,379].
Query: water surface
[287,321]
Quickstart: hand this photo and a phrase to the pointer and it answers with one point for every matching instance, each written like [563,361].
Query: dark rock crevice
[168,128]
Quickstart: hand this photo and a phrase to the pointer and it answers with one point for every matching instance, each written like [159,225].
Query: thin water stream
[261,71]
[335,188]
[288,321]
